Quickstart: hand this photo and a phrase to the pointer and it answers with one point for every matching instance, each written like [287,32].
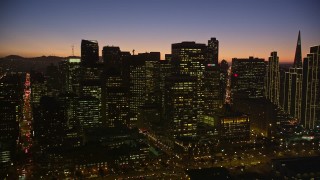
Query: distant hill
[13,57]
[21,64]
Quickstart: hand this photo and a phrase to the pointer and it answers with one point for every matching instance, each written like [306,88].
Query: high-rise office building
[142,74]
[49,123]
[298,56]
[89,52]
[224,77]
[165,70]
[311,89]
[180,111]
[152,64]
[53,80]
[293,92]
[111,56]
[213,51]
[91,83]
[291,97]
[248,78]
[88,112]
[69,103]
[115,99]
[189,58]
[9,121]
[272,80]
[135,73]
[38,88]
[212,99]
[71,74]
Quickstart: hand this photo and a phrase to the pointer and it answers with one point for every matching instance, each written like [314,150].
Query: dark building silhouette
[283,71]
[89,52]
[233,125]
[297,168]
[213,51]
[53,80]
[224,66]
[9,121]
[49,123]
[168,57]
[248,78]
[165,70]
[11,100]
[262,114]
[38,87]
[70,71]
[69,102]
[298,56]
[111,56]
[115,98]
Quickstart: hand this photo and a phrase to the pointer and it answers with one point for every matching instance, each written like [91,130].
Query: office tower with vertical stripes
[311,89]
[272,80]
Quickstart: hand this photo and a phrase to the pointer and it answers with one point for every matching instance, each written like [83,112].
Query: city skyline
[246,28]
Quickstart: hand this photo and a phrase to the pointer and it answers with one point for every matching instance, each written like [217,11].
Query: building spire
[298,57]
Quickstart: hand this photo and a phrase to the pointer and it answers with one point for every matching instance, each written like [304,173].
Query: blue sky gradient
[244,28]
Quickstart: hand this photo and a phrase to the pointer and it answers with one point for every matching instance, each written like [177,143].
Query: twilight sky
[243,27]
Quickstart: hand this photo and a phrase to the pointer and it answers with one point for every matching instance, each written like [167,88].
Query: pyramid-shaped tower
[298,58]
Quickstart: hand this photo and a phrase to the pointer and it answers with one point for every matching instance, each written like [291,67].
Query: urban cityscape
[109,113]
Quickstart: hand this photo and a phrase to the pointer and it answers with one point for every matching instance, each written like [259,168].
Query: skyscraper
[180,111]
[212,98]
[273,78]
[224,66]
[88,112]
[311,89]
[115,99]
[71,74]
[111,56]
[213,51]
[38,88]
[293,92]
[165,71]
[89,52]
[292,86]
[298,57]
[189,58]
[69,103]
[49,123]
[248,78]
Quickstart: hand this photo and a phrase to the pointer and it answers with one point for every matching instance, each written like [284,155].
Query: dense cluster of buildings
[180,104]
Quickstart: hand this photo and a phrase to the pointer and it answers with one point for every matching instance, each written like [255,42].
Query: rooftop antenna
[72,50]
[133,51]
